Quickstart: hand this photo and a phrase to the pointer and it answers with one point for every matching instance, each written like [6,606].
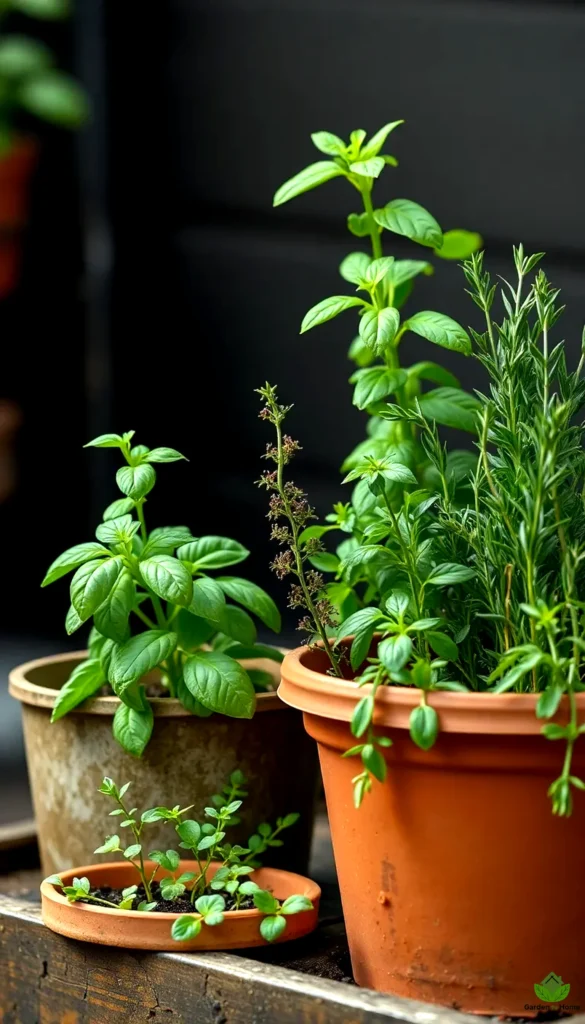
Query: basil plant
[194,628]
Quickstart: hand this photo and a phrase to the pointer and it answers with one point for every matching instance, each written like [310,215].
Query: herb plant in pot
[218,898]
[30,84]
[174,687]
[448,712]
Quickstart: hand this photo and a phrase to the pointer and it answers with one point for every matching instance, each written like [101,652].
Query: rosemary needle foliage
[299,540]
[384,285]
[159,578]
[524,530]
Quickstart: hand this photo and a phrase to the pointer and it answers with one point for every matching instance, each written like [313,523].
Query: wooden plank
[47,979]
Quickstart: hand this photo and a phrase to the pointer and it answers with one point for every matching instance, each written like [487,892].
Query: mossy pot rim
[27,691]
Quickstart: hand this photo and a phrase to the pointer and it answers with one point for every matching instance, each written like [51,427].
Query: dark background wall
[206,109]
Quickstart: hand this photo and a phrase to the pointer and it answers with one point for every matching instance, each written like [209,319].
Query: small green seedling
[206,842]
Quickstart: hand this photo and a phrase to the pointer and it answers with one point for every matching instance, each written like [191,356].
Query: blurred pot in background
[30,84]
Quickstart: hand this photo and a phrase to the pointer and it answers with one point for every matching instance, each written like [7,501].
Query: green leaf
[424,726]
[354,267]
[136,481]
[296,905]
[167,577]
[548,701]
[449,573]
[329,308]
[324,561]
[20,56]
[92,583]
[186,928]
[432,371]
[521,669]
[111,845]
[404,217]
[139,655]
[374,383]
[132,851]
[371,168]
[395,651]
[257,651]
[209,906]
[253,598]
[117,531]
[106,441]
[362,715]
[164,455]
[374,761]
[165,539]
[220,684]
[373,147]
[378,328]
[441,330]
[213,552]
[72,558]
[272,927]
[552,731]
[237,624]
[111,619]
[359,224]
[208,601]
[265,902]
[452,408]
[86,678]
[118,508]
[192,630]
[459,244]
[362,625]
[55,97]
[327,143]
[54,880]
[51,10]
[133,729]
[305,180]
[402,271]
[190,833]
[443,646]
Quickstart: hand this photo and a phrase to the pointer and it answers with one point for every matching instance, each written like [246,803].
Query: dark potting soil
[182,905]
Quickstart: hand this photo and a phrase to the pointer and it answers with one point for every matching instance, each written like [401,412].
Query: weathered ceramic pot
[135,929]
[186,761]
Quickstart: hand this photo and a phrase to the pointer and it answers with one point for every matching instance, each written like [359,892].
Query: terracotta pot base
[134,929]
[458,884]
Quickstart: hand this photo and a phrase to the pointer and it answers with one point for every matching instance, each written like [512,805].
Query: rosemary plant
[517,548]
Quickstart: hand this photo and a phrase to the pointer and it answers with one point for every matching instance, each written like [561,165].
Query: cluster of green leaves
[29,80]
[386,284]
[206,843]
[193,636]
[509,563]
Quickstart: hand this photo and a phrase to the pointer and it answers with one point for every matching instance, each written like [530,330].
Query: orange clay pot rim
[347,690]
[48,890]
[163,707]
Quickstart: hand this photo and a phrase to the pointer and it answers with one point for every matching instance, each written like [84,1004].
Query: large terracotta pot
[187,760]
[16,169]
[458,884]
[136,929]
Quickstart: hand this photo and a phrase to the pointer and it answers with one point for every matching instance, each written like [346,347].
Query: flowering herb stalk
[299,540]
